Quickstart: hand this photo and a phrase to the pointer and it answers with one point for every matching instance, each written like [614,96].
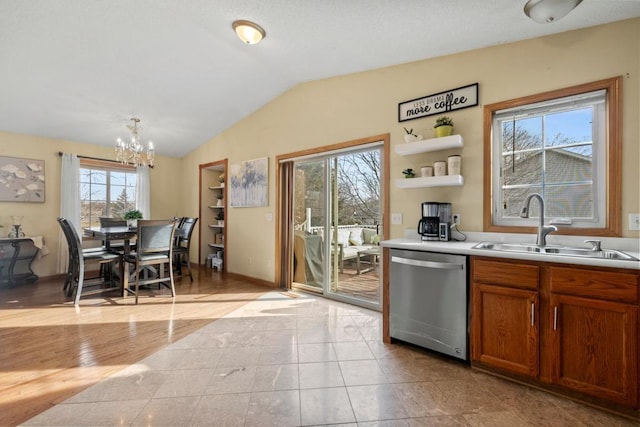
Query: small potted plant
[221,179]
[410,136]
[132,217]
[220,217]
[444,126]
[409,173]
[220,198]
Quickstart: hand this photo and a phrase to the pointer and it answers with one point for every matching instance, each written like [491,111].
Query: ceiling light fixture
[130,152]
[249,32]
[548,11]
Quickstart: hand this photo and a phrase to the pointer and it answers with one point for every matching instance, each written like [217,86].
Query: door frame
[280,228]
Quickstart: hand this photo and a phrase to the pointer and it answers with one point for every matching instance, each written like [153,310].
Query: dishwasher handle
[427,264]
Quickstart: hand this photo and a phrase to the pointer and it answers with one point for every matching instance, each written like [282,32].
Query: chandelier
[131,152]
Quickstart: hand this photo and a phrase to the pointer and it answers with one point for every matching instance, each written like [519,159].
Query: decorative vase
[220,202]
[16,221]
[16,232]
[412,138]
[132,223]
[221,222]
[444,130]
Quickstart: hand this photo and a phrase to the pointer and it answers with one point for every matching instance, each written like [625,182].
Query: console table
[16,256]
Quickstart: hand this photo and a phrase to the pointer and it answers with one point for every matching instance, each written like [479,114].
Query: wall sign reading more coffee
[438,103]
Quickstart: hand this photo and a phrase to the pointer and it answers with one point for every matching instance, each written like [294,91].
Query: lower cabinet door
[504,328]
[595,347]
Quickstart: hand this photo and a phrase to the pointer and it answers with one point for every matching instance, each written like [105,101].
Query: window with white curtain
[106,190]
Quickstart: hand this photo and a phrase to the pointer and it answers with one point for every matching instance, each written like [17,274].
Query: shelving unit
[432,181]
[425,146]
[213,237]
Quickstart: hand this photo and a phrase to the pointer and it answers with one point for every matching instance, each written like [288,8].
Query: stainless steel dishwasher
[428,300]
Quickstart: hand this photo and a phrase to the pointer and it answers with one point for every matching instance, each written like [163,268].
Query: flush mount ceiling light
[249,32]
[547,11]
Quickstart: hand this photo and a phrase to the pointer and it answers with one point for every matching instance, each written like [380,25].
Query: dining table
[110,234]
[124,234]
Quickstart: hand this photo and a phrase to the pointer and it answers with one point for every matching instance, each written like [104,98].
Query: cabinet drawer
[516,275]
[607,285]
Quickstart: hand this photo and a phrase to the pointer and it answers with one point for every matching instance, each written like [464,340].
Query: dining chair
[182,245]
[154,248]
[106,221]
[75,282]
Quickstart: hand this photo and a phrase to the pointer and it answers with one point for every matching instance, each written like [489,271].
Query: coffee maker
[428,226]
[435,223]
[444,225]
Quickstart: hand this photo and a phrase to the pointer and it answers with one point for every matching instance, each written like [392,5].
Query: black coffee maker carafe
[429,223]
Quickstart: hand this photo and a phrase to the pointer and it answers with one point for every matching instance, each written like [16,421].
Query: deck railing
[316,230]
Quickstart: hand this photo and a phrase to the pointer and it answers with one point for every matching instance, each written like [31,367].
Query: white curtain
[143,192]
[69,204]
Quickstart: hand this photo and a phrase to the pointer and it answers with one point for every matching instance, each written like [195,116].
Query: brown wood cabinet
[594,332]
[594,347]
[505,330]
[568,326]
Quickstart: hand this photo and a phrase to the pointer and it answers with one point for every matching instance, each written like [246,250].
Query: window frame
[612,152]
[95,164]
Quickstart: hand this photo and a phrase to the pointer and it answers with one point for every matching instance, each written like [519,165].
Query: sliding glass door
[309,219]
[337,222]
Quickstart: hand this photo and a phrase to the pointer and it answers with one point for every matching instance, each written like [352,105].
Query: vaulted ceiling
[78,70]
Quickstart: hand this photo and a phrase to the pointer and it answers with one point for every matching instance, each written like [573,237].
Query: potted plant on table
[444,126]
[132,217]
[220,217]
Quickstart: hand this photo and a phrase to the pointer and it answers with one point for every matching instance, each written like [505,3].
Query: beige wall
[40,218]
[359,105]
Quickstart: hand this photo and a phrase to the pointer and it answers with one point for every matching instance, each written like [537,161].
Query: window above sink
[564,145]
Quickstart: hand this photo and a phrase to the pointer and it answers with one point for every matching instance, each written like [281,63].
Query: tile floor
[286,361]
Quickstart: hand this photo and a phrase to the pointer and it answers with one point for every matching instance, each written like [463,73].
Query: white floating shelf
[216,207]
[216,226]
[426,145]
[214,245]
[216,188]
[431,181]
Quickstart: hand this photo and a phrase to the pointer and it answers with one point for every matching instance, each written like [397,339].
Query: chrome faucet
[543,230]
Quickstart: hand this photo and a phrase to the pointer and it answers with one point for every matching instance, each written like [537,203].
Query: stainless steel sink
[556,250]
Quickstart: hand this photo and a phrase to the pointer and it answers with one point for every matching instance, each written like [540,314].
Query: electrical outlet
[396,218]
[634,221]
[456,218]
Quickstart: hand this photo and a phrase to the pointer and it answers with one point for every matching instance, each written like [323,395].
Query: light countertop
[627,245]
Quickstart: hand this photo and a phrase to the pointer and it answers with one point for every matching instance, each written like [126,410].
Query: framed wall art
[21,180]
[249,183]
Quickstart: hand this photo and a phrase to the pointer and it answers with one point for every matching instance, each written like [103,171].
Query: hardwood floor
[51,350]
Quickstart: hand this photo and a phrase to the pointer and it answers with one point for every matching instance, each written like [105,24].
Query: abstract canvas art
[21,180]
[249,183]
